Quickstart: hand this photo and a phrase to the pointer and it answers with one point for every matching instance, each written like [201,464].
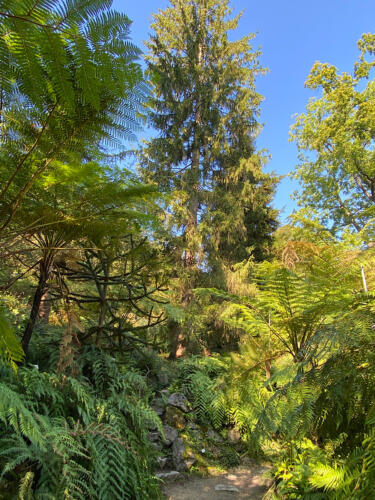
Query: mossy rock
[175,418]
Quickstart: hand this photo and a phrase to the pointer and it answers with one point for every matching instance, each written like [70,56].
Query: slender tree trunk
[44,273]
[180,332]
[176,340]
[267,368]
[192,216]
[45,306]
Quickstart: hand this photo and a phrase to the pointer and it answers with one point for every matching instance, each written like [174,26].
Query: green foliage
[81,437]
[10,347]
[335,140]
[70,89]
[327,398]
[219,396]
[83,234]
[200,380]
[204,105]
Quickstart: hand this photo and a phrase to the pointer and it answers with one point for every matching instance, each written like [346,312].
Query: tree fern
[10,347]
[70,81]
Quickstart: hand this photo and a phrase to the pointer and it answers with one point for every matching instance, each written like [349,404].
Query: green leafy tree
[335,137]
[119,287]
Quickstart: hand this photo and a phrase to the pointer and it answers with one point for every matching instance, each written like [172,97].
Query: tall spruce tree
[204,107]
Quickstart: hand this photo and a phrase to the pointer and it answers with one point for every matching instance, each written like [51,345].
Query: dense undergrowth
[82,435]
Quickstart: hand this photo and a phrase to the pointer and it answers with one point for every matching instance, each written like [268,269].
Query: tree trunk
[191,234]
[45,268]
[45,306]
[176,340]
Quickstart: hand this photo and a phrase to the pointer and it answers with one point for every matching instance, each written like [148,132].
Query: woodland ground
[249,480]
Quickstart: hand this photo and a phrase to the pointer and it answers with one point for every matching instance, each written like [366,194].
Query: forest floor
[250,483]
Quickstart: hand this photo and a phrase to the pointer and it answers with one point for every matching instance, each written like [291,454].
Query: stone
[194,431]
[226,487]
[183,459]
[193,426]
[171,475]
[156,445]
[179,401]
[234,436]
[171,434]
[195,434]
[162,461]
[178,454]
[153,436]
[175,417]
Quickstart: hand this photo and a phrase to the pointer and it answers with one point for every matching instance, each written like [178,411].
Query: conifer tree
[204,107]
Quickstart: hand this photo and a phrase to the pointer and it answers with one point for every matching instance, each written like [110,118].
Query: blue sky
[292,34]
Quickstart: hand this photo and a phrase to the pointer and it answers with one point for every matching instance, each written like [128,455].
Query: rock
[194,431]
[153,436]
[215,436]
[179,401]
[171,434]
[234,436]
[171,475]
[195,434]
[178,453]
[226,487]
[175,417]
[182,459]
[162,461]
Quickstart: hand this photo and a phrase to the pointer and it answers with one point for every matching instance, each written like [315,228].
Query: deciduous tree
[335,137]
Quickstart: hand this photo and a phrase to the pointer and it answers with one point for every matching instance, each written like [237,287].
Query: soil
[250,482]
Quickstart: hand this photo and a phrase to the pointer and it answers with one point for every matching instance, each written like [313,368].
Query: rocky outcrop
[234,436]
[162,462]
[183,458]
[179,401]
[183,444]
[214,436]
[170,435]
[158,406]
[175,418]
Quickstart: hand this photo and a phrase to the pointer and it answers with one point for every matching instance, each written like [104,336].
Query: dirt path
[249,482]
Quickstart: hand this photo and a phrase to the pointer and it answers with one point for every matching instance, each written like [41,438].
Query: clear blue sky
[292,34]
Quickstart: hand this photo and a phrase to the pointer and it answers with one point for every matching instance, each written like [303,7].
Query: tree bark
[45,306]
[45,269]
